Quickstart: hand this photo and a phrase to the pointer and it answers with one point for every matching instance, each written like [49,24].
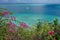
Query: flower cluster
[24,25]
[51,32]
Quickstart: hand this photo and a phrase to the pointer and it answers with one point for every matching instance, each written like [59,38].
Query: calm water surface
[30,13]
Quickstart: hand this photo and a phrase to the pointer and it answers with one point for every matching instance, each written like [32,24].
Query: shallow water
[30,13]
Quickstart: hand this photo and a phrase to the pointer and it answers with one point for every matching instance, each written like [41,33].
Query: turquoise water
[30,13]
[33,18]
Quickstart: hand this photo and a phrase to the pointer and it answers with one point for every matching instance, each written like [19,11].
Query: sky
[31,1]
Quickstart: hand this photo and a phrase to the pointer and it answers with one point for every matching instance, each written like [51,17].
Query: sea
[32,13]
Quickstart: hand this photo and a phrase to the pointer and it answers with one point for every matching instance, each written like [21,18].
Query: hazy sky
[31,1]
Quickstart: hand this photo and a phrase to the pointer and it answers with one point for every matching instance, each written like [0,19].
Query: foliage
[10,31]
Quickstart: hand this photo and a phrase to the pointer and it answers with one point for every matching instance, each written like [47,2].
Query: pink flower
[24,25]
[12,30]
[11,24]
[51,32]
[14,25]
[5,13]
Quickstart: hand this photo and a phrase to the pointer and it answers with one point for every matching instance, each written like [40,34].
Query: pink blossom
[14,25]
[24,25]
[11,24]
[51,32]
[12,30]
[5,13]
